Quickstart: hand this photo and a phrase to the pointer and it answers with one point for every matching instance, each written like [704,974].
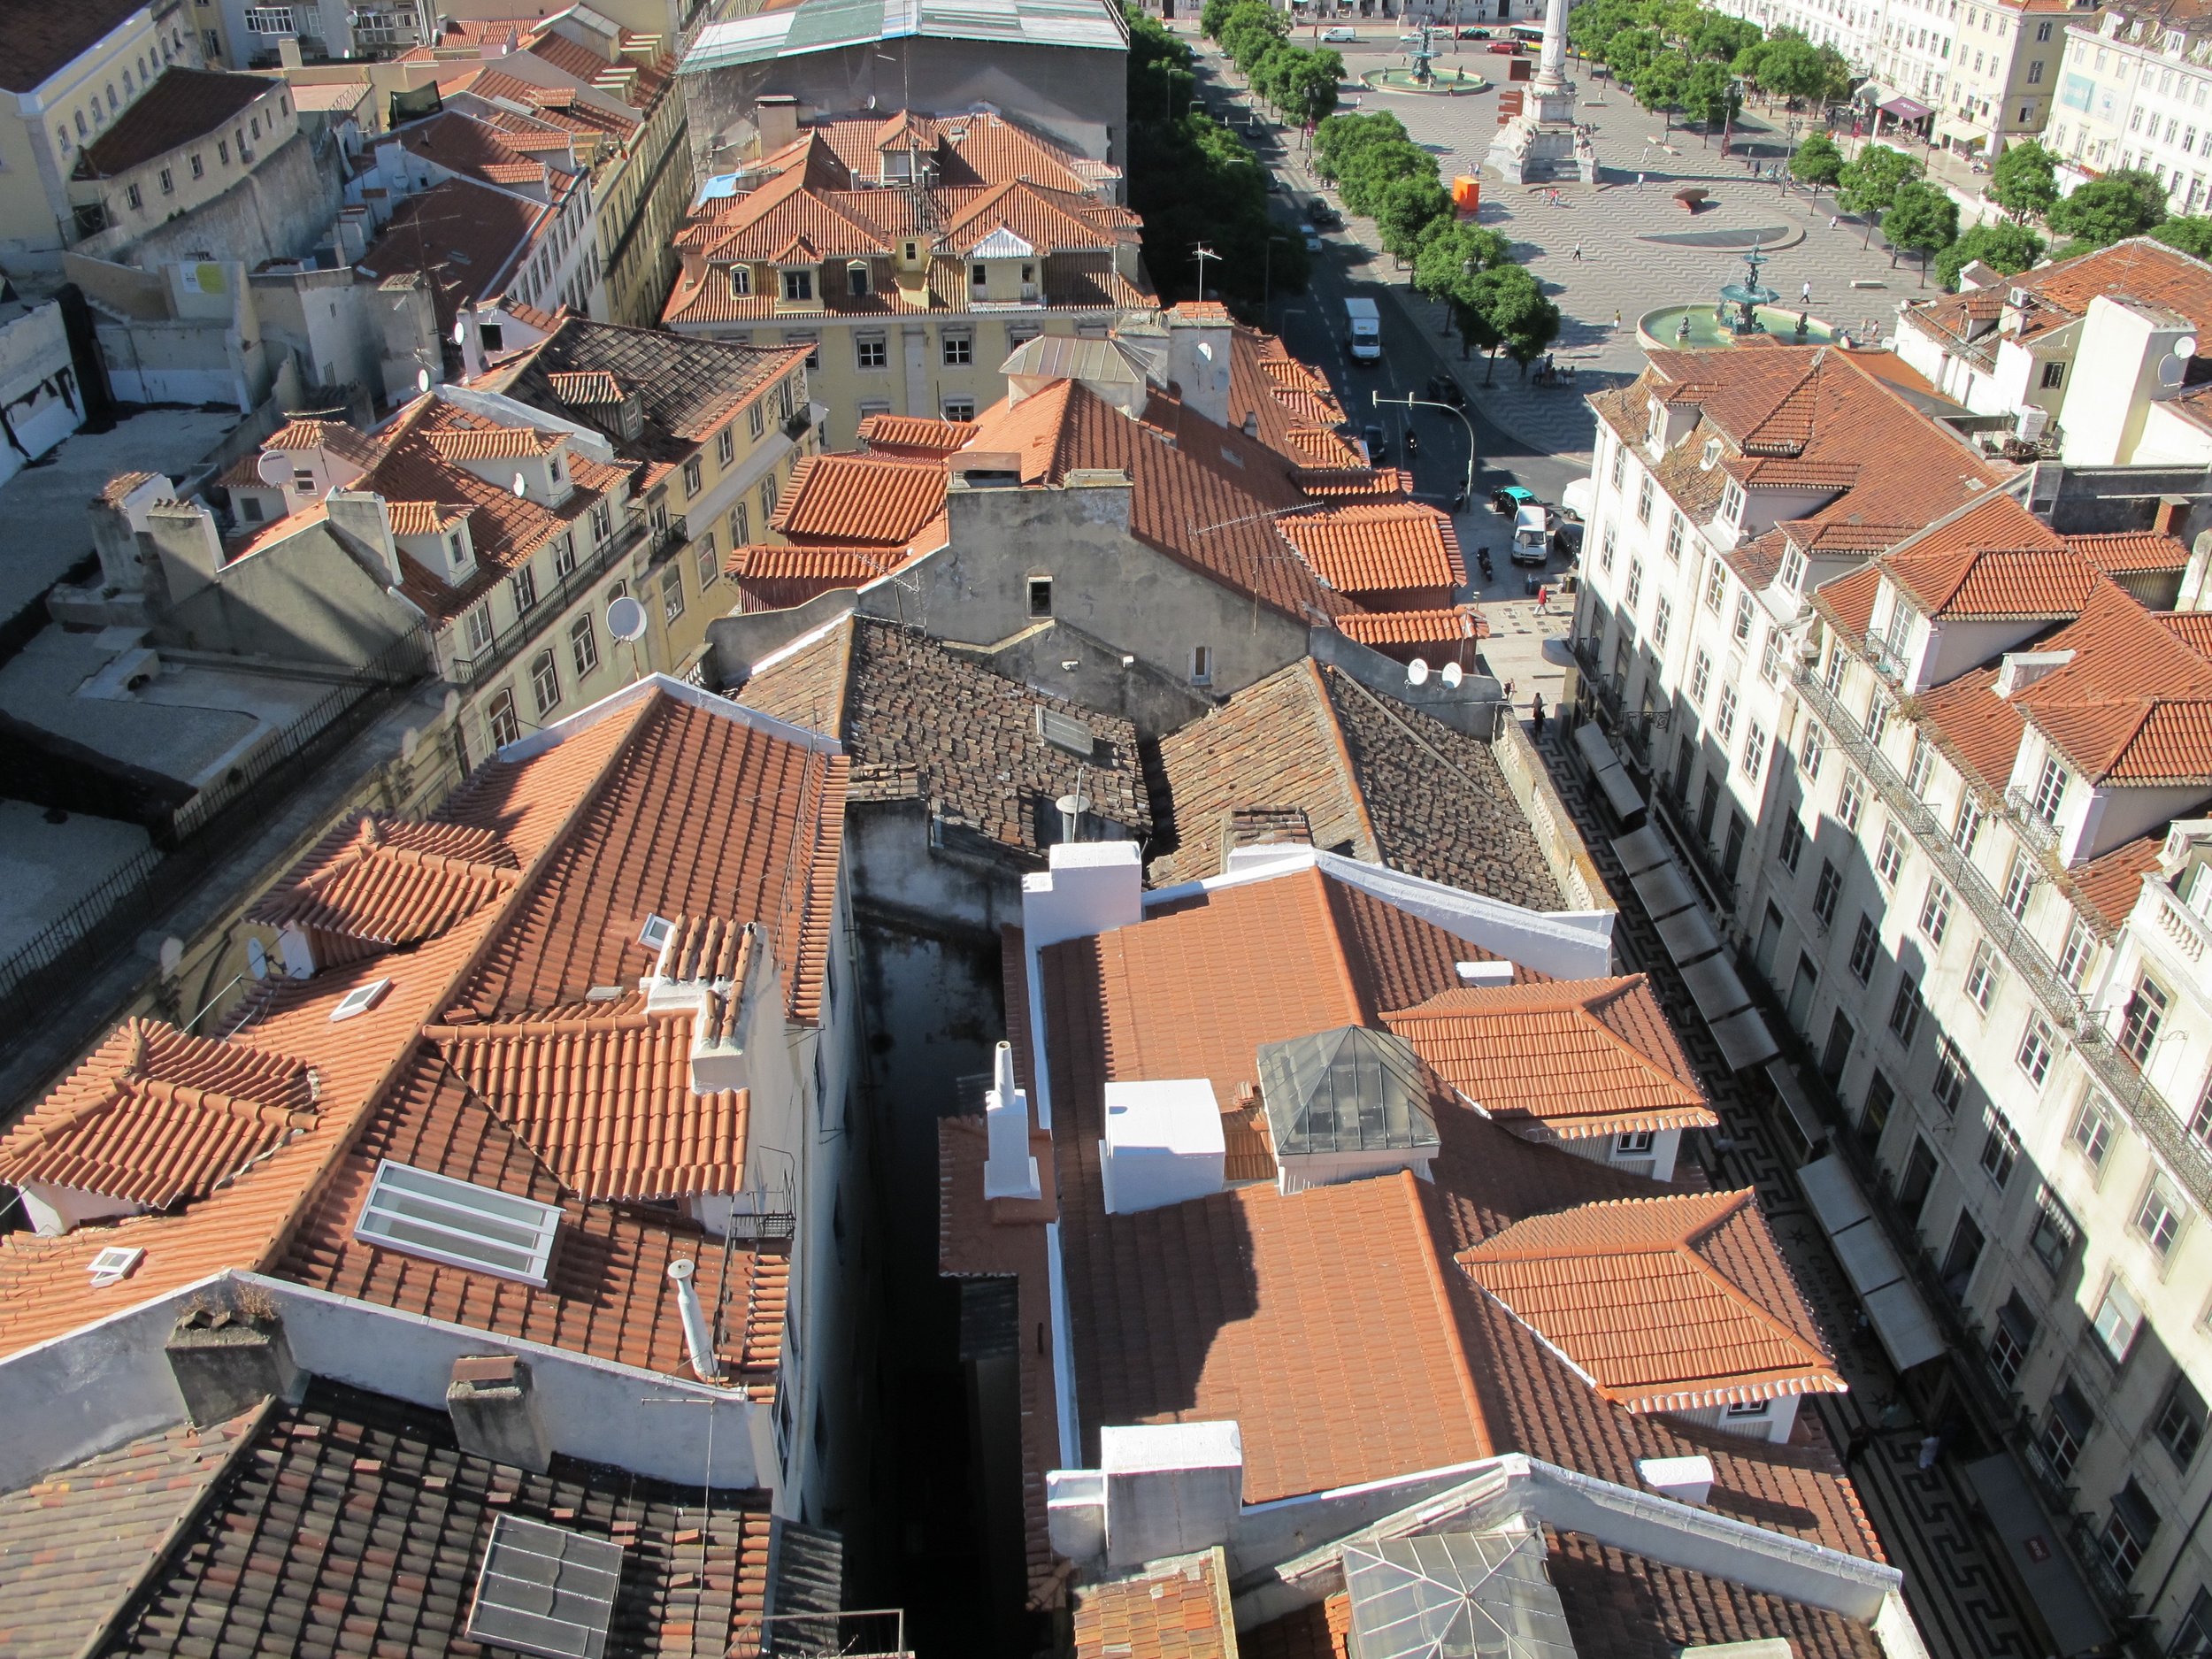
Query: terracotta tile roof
[156,1117]
[1386,628]
[1173,1609]
[477,149]
[875,501]
[1573,1058]
[2131,550]
[585,386]
[424,517]
[74,1544]
[385,881]
[1319,1630]
[602,1096]
[775,577]
[1848,601]
[1625,1606]
[1371,777]
[181,106]
[1648,1296]
[558,105]
[117,490]
[357,1525]
[1977,730]
[2193,628]
[2105,889]
[465,238]
[924,723]
[45,35]
[2141,269]
[914,436]
[1372,550]
[489,442]
[348,444]
[2134,705]
[604,825]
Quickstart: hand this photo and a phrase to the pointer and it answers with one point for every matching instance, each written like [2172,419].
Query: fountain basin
[1661,328]
[1447,83]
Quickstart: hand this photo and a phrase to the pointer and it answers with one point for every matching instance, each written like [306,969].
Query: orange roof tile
[2131,550]
[1415,627]
[385,881]
[914,436]
[878,501]
[1379,550]
[2106,888]
[1173,1609]
[1574,1057]
[154,1116]
[1646,1296]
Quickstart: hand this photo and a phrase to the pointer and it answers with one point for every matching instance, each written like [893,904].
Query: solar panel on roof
[545,1590]
[1456,1595]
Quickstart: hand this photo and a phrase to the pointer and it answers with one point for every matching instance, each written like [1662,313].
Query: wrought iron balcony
[2034,829]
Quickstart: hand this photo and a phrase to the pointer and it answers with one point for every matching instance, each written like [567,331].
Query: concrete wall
[1078,96]
[280,211]
[329,320]
[1062,660]
[1570,861]
[305,599]
[40,402]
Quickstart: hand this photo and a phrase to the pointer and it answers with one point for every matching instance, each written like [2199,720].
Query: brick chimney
[495,1414]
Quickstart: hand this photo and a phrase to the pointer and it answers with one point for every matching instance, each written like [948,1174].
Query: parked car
[1472,33]
[1409,39]
[1323,215]
[1533,529]
[1508,499]
[1511,48]
[1340,38]
[1377,446]
[1313,243]
[1441,388]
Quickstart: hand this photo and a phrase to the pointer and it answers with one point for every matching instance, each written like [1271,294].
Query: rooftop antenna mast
[1200,252]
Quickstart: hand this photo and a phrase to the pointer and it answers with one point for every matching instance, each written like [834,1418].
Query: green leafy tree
[1629,51]
[1213,15]
[1708,95]
[1720,40]
[1817,160]
[1373,169]
[1788,66]
[2111,209]
[1868,185]
[1923,219]
[1341,137]
[1453,254]
[1406,208]
[2023,179]
[2006,246]
[2192,235]
[1250,30]
[1515,311]
[1307,87]
[1161,83]
[1661,84]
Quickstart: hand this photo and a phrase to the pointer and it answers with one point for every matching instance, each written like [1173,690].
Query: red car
[1511,48]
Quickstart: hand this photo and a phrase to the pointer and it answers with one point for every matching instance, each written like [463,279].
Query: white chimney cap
[1685,1479]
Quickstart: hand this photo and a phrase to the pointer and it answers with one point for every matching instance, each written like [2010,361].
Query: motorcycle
[1413,444]
[1482,558]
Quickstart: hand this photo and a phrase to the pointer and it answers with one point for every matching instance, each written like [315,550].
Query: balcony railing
[530,627]
[2146,1110]
[2033,828]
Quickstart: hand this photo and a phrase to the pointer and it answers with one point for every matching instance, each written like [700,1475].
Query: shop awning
[1744,1039]
[1608,774]
[1794,1102]
[1900,1319]
[1905,109]
[1642,849]
[2031,1544]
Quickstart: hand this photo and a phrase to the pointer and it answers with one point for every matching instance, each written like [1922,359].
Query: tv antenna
[1200,253]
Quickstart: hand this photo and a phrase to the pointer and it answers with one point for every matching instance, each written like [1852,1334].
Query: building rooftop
[2141,269]
[353,1523]
[465,238]
[1177,1608]
[181,106]
[1371,778]
[925,723]
[45,36]
[408,1047]
[817,25]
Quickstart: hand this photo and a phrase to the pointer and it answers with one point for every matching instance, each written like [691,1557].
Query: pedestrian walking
[1640,181]
[1929,1450]
[1834,220]
[1577,253]
[1536,713]
[1617,321]
[1805,295]
[1857,1446]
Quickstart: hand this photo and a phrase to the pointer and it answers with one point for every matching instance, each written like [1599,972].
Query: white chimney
[472,342]
[1171,1488]
[299,956]
[1162,1145]
[1198,362]
[1008,1170]
[698,1336]
[1685,1479]
[2019,670]
[1489,973]
[1090,888]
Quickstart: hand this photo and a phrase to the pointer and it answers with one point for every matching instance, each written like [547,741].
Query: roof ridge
[1326,715]
[1719,1204]
[1746,1200]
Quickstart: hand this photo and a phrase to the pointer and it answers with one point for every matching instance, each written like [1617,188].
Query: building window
[1831,676]
[2068,1430]
[1634,591]
[1605,548]
[222,146]
[1732,505]
[1950,1076]
[1815,752]
[1040,595]
[1700,678]
[1851,801]
[2054,376]
[1637,1143]
[725,447]
[798,285]
[1876,718]
[2127,1530]
[691,477]
[1771,656]
[1755,753]
[583,644]
[522,589]
[2055,1233]
[1620,464]
[1881,1095]
[1675,522]
[1725,720]
[2050,791]
[978,275]
[1741,628]
[959,348]
[709,562]
[1967,826]
[2119,1316]
[1643,501]
[1792,842]
[2179,1424]
[1792,571]
[1935,911]
[130,194]
[2014,1336]
[2192,1637]
[1921,767]
[1824,892]
[1202,664]
[2091,1133]
[2038,1043]
[672,594]
[958,408]
[602,523]
[2019,886]
[479,629]
[1662,620]
[768,498]
[545,682]
[2158,1218]
[856,279]
[1889,858]
[1866,949]
[2000,1147]
[1904,1010]
[870,351]
[1716,586]
[740,526]
[2138,1027]
[168,183]
[740,280]
[565,555]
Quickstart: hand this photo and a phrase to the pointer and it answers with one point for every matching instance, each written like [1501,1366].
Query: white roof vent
[1484,973]
[361,999]
[546,1590]
[1163,1144]
[113,1265]
[2019,670]
[1685,1479]
[458,1223]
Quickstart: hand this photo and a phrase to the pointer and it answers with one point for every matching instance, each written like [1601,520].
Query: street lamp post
[1468,495]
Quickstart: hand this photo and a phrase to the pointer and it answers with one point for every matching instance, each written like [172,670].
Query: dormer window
[2050,790]
[798,285]
[978,275]
[1792,568]
[1710,457]
[1658,424]
[912,253]
[740,280]
[457,553]
[856,278]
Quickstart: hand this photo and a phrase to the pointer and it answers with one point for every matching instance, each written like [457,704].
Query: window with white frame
[2055,1234]
[1866,949]
[1662,619]
[2138,1025]
[1831,676]
[2073,961]
[2158,1217]
[1814,750]
[1675,522]
[1700,678]
[709,562]
[1620,464]
[522,589]
[545,682]
[1793,846]
[1741,628]
[724,446]
[1950,1076]
[2180,1423]
[583,644]
[1889,858]
[2067,1431]
[1825,891]
[1771,656]
[671,593]
[1725,720]
[2118,1317]
[2038,1043]
[1605,548]
[2000,1147]
[2090,1134]
[1851,801]
[1921,767]
[1755,753]
[2014,1336]
[2019,886]
[501,724]
[1793,572]
[1935,911]
[1716,586]
[479,625]
[1634,592]
[1905,1009]
[1731,502]
[1877,712]
[2050,790]
[1643,501]
[1967,826]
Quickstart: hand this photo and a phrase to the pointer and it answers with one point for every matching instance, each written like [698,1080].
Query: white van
[1362,329]
[1532,535]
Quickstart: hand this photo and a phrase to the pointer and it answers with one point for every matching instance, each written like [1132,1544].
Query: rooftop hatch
[1348,1090]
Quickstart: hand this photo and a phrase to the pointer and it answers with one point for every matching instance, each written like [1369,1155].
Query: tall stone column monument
[1542,143]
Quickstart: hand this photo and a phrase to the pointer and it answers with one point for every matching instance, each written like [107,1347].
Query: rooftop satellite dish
[461,331]
[625,619]
[521,485]
[274,467]
[1417,672]
[2185,347]
[422,379]
[1451,676]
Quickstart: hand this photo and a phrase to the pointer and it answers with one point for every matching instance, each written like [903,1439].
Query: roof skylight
[546,1590]
[458,1223]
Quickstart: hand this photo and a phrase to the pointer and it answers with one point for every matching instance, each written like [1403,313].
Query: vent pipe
[697,1337]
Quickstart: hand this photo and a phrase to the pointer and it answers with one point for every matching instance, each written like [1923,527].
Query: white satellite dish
[521,485]
[1451,676]
[274,467]
[625,619]
[1417,672]
[422,379]
[460,331]
[2185,347]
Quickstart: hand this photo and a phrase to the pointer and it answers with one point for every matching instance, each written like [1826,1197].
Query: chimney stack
[472,342]
[776,116]
[698,1336]
[495,1413]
